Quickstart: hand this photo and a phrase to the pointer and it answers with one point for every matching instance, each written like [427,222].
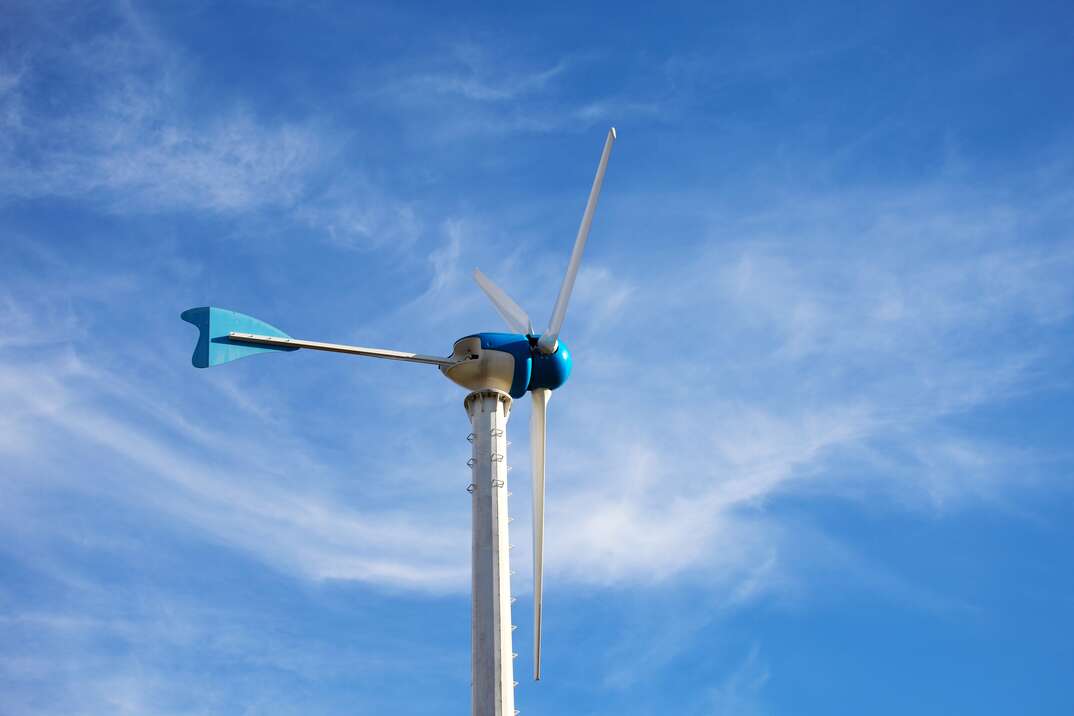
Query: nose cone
[551,370]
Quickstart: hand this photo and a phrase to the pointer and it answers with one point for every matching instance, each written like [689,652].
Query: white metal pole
[492,692]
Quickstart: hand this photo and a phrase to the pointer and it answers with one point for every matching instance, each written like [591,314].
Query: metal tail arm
[338,348]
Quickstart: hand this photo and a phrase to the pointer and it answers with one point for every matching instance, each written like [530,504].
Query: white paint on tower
[492,669]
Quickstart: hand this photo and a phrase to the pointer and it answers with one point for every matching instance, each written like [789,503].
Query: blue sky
[816,453]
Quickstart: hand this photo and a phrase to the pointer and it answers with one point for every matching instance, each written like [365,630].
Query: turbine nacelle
[511,362]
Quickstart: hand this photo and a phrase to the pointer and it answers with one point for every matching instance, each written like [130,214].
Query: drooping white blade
[538,421]
[549,338]
[510,311]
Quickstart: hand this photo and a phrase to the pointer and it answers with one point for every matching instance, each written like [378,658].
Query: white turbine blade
[549,338]
[537,450]
[510,311]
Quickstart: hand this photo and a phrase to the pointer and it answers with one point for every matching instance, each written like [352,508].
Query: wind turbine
[496,368]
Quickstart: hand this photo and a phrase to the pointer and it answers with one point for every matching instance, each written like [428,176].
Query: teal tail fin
[214,324]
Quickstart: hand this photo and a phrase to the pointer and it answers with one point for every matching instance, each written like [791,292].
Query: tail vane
[214,324]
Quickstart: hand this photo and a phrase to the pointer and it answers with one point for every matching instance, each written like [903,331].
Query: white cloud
[705,393]
[234,165]
[795,345]
[355,213]
[739,693]
[130,139]
[821,359]
[487,92]
[224,486]
[124,134]
[473,76]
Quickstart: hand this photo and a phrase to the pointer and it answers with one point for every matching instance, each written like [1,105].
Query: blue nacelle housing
[532,369]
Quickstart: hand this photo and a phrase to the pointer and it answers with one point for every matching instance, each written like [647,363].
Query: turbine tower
[497,368]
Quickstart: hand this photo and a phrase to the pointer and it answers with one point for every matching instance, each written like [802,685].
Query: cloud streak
[132,141]
[126,140]
[821,333]
[829,345]
[226,487]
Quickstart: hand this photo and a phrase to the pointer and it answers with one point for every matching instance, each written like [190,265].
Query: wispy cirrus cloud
[816,347]
[780,358]
[472,91]
[825,295]
[131,137]
[815,339]
[125,135]
[233,491]
[787,356]
[471,75]
[818,330]
[740,692]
